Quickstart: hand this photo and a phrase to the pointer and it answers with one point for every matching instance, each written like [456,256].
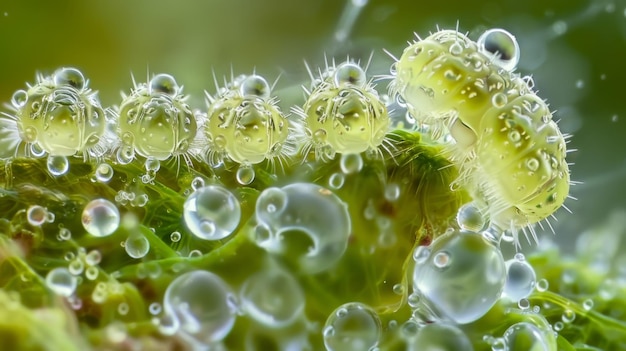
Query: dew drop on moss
[137,245]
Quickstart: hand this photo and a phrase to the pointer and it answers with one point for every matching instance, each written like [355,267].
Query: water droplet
[309,209]
[245,175]
[197,183]
[212,212]
[57,165]
[471,282]
[123,308]
[91,273]
[542,285]
[202,305]
[137,245]
[255,86]
[351,163]
[336,180]
[558,326]
[61,281]
[152,165]
[100,218]
[414,300]
[76,266]
[526,336]
[588,304]
[441,259]
[440,337]
[500,45]
[580,84]
[523,304]
[273,298]
[154,308]
[65,234]
[104,172]
[499,100]
[164,84]
[19,99]
[36,215]
[470,218]
[520,279]
[175,237]
[70,76]
[568,316]
[392,192]
[357,327]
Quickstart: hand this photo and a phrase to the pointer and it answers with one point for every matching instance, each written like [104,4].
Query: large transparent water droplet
[440,337]
[352,327]
[461,279]
[526,336]
[470,218]
[100,218]
[202,305]
[212,212]
[520,279]
[273,298]
[61,281]
[302,208]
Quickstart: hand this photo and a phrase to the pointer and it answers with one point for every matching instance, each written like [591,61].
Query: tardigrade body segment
[154,120]
[245,124]
[343,113]
[510,152]
[60,116]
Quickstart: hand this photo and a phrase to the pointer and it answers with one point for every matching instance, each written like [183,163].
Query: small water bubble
[336,180]
[441,337]
[57,165]
[104,172]
[588,304]
[392,192]
[212,212]
[91,273]
[245,175]
[125,154]
[202,305]
[351,163]
[523,304]
[65,234]
[69,256]
[568,316]
[123,308]
[100,218]
[19,98]
[580,84]
[273,298]
[414,300]
[421,254]
[175,237]
[470,218]
[36,215]
[528,336]
[197,183]
[76,266]
[137,245]
[559,28]
[61,281]
[542,285]
[356,328]
[498,344]
[441,259]
[195,253]
[398,289]
[154,308]
[558,326]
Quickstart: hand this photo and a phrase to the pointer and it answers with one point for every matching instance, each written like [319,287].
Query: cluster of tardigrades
[510,152]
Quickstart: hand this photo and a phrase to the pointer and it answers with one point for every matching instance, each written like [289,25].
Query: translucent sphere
[273,298]
[461,278]
[351,163]
[303,221]
[440,337]
[202,305]
[61,281]
[470,218]
[212,212]
[57,165]
[526,336]
[352,327]
[100,218]
[520,279]
[136,245]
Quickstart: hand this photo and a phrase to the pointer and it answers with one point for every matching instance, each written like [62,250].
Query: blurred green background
[576,51]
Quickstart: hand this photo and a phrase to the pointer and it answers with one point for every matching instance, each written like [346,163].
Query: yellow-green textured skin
[513,153]
[156,124]
[345,118]
[246,129]
[60,119]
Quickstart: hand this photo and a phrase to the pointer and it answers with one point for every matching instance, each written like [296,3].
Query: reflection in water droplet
[440,337]
[36,215]
[470,218]
[351,163]
[309,209]
[471,282]
[352,326]
[245,175]
[212,212]
[104,172]
[57,165]
[137,245]
[526,336]
[520,279]
[202,304]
